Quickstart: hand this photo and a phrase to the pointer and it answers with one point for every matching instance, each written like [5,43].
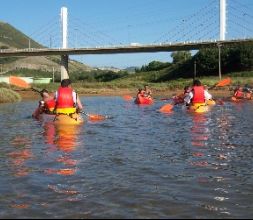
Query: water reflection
[62,143]
[140,164]
[208,157]
[20,155]
[64,140]
[200,135]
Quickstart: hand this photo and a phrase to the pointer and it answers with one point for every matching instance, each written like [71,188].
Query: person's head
[197,83]
[65,83]
[187,89]
[44,93]
[146,87]
[140,90]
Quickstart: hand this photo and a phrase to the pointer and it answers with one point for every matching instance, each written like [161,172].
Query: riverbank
[130,87]
[166,93]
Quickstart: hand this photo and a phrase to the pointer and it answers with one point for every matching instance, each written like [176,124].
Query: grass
[82,87]
[9,96]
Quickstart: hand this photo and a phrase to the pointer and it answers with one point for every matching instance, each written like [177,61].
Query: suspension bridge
[204,29]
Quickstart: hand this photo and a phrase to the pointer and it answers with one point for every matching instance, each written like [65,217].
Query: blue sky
[120,22]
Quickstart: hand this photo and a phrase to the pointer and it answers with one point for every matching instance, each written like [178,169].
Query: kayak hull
[211,102]
[199,108]
[75,119]
[234,99]
[144,101]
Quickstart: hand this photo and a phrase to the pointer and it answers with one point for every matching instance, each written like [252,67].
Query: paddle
[128,98]
[94,117]
[166,108]
[222,83]
[35,90]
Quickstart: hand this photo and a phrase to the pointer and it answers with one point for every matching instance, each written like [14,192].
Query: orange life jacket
[65,103]
[198,94]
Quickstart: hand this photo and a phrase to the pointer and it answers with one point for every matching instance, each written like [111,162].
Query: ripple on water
[138,164]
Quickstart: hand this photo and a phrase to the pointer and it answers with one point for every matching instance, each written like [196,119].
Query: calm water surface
[138,164]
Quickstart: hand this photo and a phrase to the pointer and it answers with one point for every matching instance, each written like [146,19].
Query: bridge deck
[121,49]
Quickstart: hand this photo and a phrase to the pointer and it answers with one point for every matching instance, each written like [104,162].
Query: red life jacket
[65,98]
[239,94]
[50,104]
[198,94]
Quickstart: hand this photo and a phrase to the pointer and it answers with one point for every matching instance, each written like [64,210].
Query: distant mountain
[10,38]
[131,69]
[110,68]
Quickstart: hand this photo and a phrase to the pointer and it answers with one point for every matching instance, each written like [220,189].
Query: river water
[137,164]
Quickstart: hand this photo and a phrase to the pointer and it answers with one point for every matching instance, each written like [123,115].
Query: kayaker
[198,95]
[247,92]
[46,105]
[140,94]
[238,93]
[147,91]
[187,90]
[67,100]
[179,99]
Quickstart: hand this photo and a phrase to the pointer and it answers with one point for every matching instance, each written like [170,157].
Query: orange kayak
[144,101]
[234,99]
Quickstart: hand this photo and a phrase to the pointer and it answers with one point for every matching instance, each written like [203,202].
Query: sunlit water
[138,164]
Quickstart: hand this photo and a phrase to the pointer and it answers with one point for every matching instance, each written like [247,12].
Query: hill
[11,38]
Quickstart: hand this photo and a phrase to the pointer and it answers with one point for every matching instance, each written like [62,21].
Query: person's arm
[55,95]
[208,96]
[79,103]
[188,98]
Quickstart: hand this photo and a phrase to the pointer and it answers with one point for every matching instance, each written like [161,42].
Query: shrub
[9,96]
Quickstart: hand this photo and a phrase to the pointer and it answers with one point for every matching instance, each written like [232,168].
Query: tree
[180,56]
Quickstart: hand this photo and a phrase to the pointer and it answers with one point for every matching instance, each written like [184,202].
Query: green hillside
[10,37]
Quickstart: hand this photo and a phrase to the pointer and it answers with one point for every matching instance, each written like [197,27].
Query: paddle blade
[19,82]
[224,82]
[128,98]
[166,108]
[93,117]
[165,99]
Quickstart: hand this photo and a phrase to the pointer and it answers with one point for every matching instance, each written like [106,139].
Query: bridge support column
[64,58]
[64,67]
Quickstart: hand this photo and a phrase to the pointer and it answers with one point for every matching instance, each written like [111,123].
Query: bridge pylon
[223,19]
[64,58]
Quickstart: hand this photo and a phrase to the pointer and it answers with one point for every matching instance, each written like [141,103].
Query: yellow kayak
[75,119]
[199,108]
[211,102]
